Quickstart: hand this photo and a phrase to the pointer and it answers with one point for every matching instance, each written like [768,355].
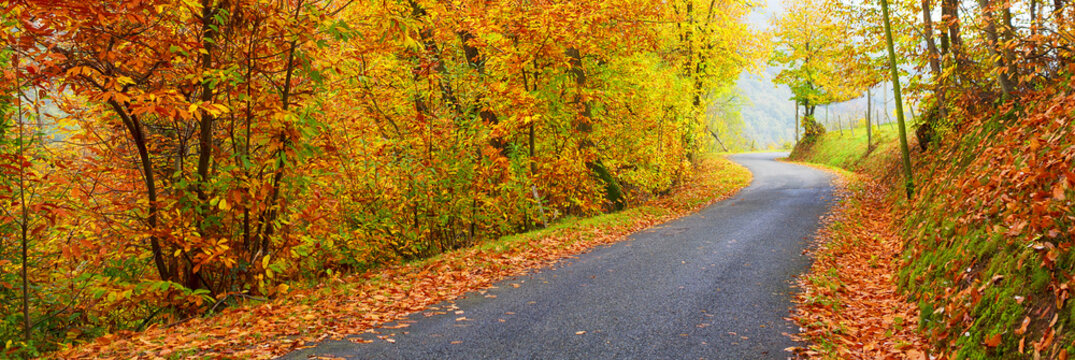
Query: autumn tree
[215,152]
[709,36]
[808,45]
[29,200]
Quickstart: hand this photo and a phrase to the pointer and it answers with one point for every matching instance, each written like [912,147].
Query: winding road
[713,285]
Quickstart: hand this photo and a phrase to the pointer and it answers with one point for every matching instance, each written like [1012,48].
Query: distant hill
[766,109]
[768,112]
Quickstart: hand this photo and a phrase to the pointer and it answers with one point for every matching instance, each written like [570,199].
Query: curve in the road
[713,285]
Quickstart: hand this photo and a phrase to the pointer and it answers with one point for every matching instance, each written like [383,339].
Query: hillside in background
[767,110]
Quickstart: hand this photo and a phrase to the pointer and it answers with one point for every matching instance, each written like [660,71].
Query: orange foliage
[196,154]
[348,305]
[849,306]
[1005,183]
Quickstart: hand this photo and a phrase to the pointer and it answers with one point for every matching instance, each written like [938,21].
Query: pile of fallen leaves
[849,306]
[343,306]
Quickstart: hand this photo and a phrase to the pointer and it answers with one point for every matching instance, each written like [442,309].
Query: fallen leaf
[914,355]
[1022,328]
[992,341]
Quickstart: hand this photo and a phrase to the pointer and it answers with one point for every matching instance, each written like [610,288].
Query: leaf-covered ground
[986,256]
[849,306]
[991,233]
[348,305]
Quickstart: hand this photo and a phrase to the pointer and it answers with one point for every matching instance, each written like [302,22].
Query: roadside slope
[987,240]
[990,233]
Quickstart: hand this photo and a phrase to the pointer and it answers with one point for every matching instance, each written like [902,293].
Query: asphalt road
[713,285]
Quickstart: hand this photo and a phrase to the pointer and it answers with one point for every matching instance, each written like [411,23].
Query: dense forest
[169,160]
[161,159]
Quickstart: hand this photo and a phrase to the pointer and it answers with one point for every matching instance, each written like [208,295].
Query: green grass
[847,149]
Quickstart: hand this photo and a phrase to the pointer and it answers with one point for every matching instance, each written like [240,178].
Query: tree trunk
[989,26]
[796,121]
[531,136]
[950,17]
[431,49]
[1007,33]
[1035,21]
[477,62]
[869,130]
[721,143]
[205,126]
[205,123]
[908,180]
[274,210]
[613,192]
[134,127]
[934,58]
[884,102]
[24,224]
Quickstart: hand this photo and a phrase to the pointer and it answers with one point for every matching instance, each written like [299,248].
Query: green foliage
[813,48]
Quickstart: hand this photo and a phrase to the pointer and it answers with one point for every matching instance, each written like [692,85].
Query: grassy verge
[848,150]
[342,306]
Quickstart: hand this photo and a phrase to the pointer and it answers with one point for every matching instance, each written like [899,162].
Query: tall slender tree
[895,73]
